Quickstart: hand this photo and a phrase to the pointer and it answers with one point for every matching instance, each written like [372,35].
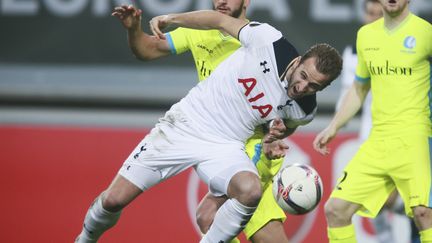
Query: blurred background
[74,102]
[70,59]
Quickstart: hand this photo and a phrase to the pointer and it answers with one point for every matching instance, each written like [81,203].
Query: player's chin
[295,95]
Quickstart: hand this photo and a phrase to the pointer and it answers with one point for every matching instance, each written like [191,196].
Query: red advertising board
[50,175]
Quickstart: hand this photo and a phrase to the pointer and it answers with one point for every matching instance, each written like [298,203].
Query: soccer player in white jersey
[260,83]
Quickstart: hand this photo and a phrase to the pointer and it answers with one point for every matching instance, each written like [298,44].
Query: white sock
[96,222]
[229,221]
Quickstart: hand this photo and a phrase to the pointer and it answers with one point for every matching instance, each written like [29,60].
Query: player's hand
[157,24]
[276,131]
[322,139]
[129,16]
[275,150]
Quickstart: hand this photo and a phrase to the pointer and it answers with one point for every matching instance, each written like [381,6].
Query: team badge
[409,42]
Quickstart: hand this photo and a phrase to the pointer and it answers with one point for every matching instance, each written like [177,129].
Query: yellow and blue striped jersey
[209,47]
[397,64]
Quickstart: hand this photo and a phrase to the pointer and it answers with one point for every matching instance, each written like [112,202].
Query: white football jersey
[245,90]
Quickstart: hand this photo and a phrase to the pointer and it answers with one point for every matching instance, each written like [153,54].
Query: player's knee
[423,216]
[334,212]
[112,202]
[246,188]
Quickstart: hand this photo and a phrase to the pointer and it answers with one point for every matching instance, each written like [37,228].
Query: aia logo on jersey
[249,84]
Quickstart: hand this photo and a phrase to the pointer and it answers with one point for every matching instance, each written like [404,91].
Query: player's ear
[295,62]
[292,66]
[246,4]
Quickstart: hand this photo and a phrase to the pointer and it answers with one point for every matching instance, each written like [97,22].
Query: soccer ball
[297,188]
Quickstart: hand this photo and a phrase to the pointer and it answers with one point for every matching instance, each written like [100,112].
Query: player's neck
[392,22]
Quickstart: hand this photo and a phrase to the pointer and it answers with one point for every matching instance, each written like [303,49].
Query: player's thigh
[364,180]
[267,211]
[412,172]
[163,153]
[272,232]
[222,165]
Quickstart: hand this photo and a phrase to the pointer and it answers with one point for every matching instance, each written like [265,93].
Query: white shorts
[173,146]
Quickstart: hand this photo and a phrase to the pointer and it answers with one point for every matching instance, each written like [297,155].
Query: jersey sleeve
[178,40]
[293,123]
[430,42]
[362,74]
[258,34]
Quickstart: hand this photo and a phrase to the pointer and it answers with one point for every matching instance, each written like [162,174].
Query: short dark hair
[328,60]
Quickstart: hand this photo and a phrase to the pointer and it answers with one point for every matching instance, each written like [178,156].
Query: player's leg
[412,175]
[267,209]
[423,220]
[338,214]
[266,225]
[105,210]
[240,182]
[135,176]
[272,232]
[207,209]
[363,188]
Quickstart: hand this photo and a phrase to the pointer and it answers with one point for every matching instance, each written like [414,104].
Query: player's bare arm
[144,47]
[351,104]
[204,20]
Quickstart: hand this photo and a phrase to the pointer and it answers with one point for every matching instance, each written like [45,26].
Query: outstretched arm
[351,104]
[144,46]
[203,20]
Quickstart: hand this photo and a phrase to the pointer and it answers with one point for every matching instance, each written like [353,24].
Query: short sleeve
[258,34]
[430,42]
[178,41]
[293,123]
[362,73]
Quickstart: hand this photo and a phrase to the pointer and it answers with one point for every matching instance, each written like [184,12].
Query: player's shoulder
[420,22]
[259,30]
[284,53]
[376,25]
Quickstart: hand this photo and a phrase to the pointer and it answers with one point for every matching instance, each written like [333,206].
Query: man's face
[233,8]
[373,12]
[394,7]
[304,79]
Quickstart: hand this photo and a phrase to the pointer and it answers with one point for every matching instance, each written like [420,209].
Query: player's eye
[314,86]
